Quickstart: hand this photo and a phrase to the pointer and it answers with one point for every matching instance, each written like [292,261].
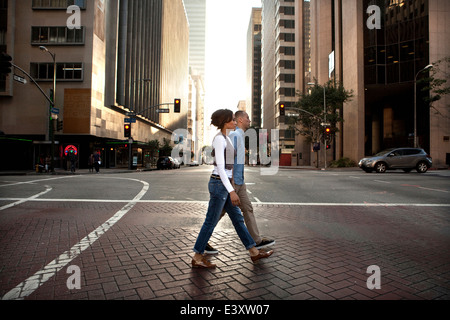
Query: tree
[311,112]
[435,85]
[166,149]
[154,146]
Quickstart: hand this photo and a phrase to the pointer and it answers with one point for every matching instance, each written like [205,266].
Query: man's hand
[235,198]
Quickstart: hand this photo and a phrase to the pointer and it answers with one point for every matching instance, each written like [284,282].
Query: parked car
[176,163]
[406,159]
[165,163]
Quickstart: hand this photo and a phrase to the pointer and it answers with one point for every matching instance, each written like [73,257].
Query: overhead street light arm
[37,85]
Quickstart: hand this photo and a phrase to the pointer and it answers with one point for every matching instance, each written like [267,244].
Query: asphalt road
[288,186]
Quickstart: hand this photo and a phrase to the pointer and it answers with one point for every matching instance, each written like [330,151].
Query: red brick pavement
[321,253]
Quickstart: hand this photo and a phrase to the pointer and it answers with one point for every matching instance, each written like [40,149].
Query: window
[64,71]
[57,36]
[288,37]
[58,4]
[289,51]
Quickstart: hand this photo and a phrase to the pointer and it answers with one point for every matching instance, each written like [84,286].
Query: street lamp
[50,126]
[415,102]
[324,117]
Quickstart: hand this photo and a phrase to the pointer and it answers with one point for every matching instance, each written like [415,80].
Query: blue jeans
[220,199]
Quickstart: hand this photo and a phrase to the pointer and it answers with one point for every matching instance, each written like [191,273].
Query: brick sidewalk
[321,253]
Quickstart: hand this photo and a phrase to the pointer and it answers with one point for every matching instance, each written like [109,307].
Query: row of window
[58,4]
[65,71]
[57,36]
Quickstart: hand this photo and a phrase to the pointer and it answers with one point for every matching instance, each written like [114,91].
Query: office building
[254,60]
[278,70]
[122,59]
[379,55]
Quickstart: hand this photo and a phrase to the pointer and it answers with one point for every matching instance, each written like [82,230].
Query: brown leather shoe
[262,255]
[205,264]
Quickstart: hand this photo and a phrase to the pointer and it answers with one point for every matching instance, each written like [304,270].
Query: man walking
[238,139]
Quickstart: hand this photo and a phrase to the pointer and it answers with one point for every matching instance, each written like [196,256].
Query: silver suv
[397,158]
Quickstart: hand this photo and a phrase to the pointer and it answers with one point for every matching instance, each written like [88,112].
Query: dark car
[165,163]
[405,159]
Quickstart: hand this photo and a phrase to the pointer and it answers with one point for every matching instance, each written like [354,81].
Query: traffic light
[327,133]
[5,64]
[177,106]
[127,130]
[282,109]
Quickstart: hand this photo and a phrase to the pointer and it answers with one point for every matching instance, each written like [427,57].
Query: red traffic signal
[127,130]
[282,109]
[177,105]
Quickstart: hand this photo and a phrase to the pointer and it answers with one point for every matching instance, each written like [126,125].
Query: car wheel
[380,167]
[422,167]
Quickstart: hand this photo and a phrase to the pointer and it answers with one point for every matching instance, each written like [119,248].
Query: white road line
[259,202]
[381,181]
[34,181]
[31,284]
[19,201]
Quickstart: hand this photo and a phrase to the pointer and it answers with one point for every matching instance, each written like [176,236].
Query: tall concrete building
[278,70]
[378,54]
[254,59]
[122,57]
[196,12]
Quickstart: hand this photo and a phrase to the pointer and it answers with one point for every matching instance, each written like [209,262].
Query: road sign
[162,110]
[20,79]
[130,120]
[55,110]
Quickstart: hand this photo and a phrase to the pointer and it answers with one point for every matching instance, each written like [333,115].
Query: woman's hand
[235,198]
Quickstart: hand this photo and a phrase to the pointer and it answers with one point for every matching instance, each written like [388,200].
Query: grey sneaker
[210,250]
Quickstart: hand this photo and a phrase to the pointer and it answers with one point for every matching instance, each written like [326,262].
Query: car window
[397,153]
[409,152]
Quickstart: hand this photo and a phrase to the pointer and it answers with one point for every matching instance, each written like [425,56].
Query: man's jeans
[220,199]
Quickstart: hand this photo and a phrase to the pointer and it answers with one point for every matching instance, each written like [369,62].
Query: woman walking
[223,195]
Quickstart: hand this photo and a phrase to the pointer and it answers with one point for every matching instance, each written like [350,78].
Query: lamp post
[50,126]
[415,102]
[324,119]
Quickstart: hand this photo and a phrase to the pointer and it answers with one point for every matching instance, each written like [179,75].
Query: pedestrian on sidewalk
[97,161]
[237,137]
[91,163]
[223,195]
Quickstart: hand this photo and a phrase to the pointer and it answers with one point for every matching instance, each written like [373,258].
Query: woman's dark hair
[220,117]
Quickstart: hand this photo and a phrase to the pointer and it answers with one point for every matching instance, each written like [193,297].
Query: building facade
[196,12]
[278,70]
[377,49]
[254,59]
[113,59]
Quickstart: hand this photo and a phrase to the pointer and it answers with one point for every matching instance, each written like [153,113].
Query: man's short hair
[239,114]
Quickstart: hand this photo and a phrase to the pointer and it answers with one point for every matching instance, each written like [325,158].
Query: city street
[340,234]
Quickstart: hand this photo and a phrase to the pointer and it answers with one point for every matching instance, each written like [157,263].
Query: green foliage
[343,163]
[437,83]
[311,112]
[166,149]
